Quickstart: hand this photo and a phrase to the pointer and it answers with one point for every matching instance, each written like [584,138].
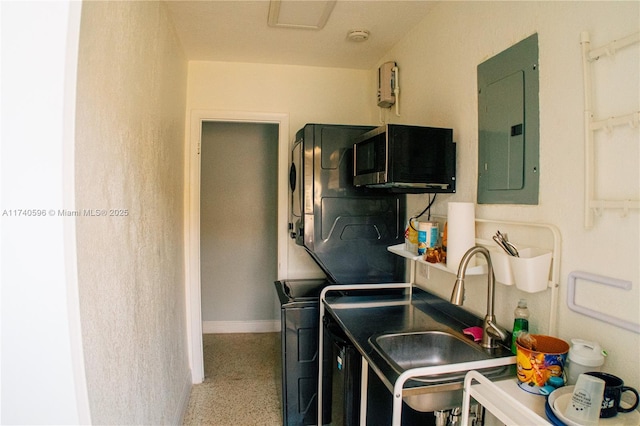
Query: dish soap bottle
[520,322]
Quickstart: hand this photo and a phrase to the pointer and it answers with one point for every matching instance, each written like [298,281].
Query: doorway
[193,221]
[238,217]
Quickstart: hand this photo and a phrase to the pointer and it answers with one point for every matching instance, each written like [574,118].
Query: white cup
[584,406]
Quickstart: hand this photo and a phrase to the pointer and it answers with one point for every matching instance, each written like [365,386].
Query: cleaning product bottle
[520,322]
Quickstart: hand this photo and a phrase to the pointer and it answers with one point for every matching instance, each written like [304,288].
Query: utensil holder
[501,266]
[531,269]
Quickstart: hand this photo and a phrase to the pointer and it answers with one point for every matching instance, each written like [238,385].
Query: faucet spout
[491,331]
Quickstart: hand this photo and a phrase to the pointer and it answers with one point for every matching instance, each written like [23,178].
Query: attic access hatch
[306,15]
[508,131]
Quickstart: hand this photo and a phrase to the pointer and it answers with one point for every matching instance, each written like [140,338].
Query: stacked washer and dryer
[346,230]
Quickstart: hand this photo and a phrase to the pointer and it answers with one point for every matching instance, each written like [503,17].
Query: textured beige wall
[438,63]
[129,156]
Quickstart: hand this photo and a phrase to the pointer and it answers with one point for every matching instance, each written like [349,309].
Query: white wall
[132,80]
[43,378]
[438,63]
[306,94]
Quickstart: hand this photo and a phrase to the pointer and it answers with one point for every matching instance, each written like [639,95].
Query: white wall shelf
[400,251]
[594,205]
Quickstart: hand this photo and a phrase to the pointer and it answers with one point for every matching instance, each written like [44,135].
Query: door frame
[192,216]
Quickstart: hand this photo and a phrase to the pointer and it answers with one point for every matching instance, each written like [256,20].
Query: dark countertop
[364,316]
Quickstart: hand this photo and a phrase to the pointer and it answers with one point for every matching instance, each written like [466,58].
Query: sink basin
[427,349]
[404,351]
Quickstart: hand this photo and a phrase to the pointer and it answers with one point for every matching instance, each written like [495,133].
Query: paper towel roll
[461,232]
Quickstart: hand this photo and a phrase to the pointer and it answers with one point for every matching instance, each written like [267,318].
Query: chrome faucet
[490,330]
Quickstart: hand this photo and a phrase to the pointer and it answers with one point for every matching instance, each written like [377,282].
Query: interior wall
[131,89]
[438,63]
[43,379]
[306,94]
[238,209]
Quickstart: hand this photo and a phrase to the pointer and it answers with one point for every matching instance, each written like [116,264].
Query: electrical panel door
[508,130]
[502,134]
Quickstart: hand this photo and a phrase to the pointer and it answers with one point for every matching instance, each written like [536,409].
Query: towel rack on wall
[599,279]
[593,205]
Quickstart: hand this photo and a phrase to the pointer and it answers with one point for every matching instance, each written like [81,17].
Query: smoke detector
[358,35]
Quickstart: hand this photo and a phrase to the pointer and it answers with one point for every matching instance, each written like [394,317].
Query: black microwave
[405,158]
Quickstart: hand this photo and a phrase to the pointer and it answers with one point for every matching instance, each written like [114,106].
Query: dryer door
[295,192]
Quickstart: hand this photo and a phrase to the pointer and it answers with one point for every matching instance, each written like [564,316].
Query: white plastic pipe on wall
[588,136]
[396,88]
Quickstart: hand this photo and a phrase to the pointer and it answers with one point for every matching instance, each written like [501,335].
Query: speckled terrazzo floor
[242,385]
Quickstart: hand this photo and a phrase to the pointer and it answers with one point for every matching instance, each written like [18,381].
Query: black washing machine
[300,302]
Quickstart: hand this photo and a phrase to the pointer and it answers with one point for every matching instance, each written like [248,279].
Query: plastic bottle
[423,231]
[432,235]
[520,322]
[583,356]
[444,237]
[444,244]
[411,237]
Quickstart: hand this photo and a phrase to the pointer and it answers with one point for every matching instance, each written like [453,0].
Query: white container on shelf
[501,266]
[531,269]
[584,356]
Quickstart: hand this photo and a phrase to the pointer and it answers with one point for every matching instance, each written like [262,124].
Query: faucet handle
[495,331]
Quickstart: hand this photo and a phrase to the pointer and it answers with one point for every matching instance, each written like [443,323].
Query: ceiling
[238,31]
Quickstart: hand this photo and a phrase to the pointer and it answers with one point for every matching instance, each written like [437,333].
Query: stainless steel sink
[427,349]
[405,351]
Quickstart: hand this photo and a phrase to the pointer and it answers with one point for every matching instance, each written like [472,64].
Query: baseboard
[183,403]
[257,326]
